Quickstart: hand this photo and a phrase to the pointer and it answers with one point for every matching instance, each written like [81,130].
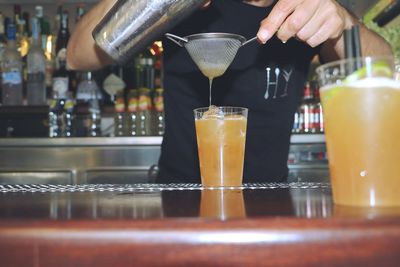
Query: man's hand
[311,21]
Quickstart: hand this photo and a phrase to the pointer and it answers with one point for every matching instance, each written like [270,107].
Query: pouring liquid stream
[210,80]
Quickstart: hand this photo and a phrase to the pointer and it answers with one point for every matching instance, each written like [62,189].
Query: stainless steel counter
[117,141]
[120,160]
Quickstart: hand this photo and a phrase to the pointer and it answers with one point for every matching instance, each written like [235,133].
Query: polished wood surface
[265,227]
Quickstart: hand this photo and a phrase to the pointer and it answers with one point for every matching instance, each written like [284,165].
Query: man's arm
[372,44]
[319,22]
[82,52]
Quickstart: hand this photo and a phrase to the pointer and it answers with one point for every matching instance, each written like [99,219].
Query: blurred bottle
[68,116]
[61,76]
[23,35]
[3,38]
[61,79]
[114,82]
[3,45]
[87,88]
[11,70]
[94,129]
[78,75]
[62,40]
[88,93]
[120,117]
[47,45]
[80,11]
[56,115]
[318,113]
[296,122]
[17,14]
[144,115]
[36,68]
[306,110]
[133,113]
[159,123]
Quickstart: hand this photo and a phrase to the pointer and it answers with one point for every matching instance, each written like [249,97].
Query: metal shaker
[131,25]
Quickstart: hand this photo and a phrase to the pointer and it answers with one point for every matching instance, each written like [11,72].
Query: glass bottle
[87,88]
[47,45]
[94,129]
[159,123]
[120,118]
[133,112]
[144,112]
[306,110]
[61,79]
[62,39]
[318,113]
[56,115]
[3,38]
[36,68]
[11,70]
[68,115]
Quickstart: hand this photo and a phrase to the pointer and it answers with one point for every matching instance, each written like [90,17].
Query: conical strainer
[212,52]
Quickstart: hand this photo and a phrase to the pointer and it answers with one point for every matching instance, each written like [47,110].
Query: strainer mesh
[213,56]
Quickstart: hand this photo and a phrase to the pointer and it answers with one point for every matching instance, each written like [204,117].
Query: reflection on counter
[311,203]
[154,201]
[222,204]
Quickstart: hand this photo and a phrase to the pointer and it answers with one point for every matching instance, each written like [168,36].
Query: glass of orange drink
[361,106]
[221,137]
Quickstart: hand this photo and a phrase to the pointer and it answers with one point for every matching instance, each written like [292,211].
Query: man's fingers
[301,16]
[328,30]
[207,4]
[273,22]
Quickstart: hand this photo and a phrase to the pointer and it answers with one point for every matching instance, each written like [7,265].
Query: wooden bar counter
[185,225]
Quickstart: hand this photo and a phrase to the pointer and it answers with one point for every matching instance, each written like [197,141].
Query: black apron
[268,79]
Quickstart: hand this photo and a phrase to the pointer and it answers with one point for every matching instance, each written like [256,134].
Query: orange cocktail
[221,136]
[361,112]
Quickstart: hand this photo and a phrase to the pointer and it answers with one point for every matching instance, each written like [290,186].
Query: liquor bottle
[296,122]
[114,82]
[3,38]
[87,88]
[306,110]
[47,45]
[36,68]
[61,76]
[133,113]
[61,79]
[80,11]
[120,118]
[68,116]
[94,129]
[318,113]
[11,70]
[144,112]
[56,115]
[17,14]
[23,36]
[62,40]
[159,123]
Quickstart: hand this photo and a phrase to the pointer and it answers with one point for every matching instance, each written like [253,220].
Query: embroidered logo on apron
[277,82]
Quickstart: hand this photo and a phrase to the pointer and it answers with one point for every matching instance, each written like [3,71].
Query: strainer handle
[249,41]
[176,39]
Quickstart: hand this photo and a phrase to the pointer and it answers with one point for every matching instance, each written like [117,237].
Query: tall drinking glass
[221,137]
[361,104]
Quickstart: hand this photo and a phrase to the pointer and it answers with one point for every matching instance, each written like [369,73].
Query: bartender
[266,76]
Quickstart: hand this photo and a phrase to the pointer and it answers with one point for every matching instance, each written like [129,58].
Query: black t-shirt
[267,79]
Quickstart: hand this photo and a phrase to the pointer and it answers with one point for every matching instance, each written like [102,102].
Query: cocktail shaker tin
[131,25]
